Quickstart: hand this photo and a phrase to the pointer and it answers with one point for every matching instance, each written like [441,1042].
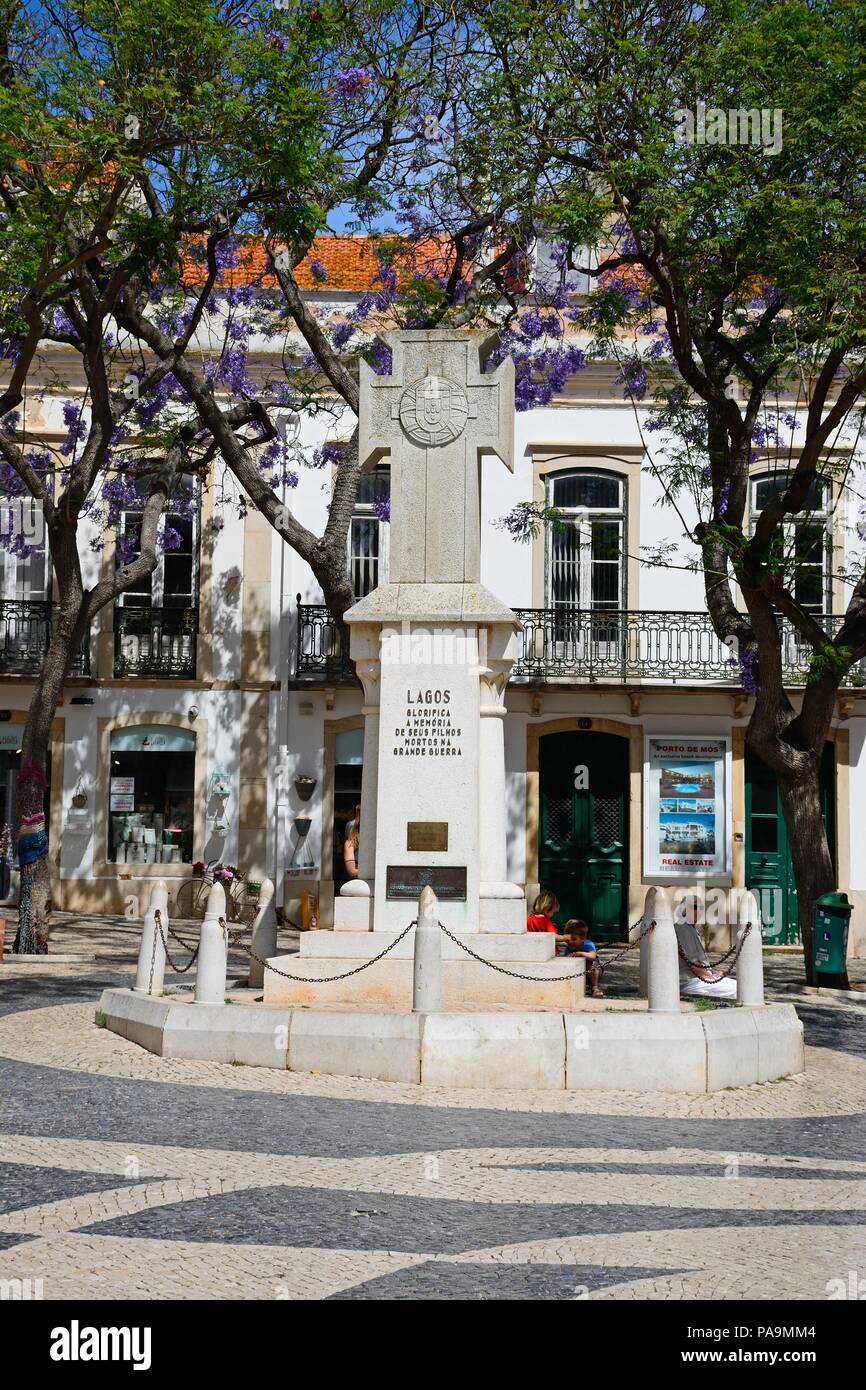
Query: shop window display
[151,795]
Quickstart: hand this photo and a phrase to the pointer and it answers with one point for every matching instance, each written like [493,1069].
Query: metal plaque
[427,834]
[405,881]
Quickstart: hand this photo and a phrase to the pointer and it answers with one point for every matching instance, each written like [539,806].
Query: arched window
[808,549]
[585,567]
[368,532]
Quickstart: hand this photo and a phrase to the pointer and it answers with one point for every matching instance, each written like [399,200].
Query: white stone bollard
[643,954]
[750,961]
[663,969]
[210,980]
[150,975]
[427,980]
[264,936]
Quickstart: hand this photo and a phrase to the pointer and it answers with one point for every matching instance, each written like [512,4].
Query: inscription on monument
[405,881]
[429,730]
[427,835]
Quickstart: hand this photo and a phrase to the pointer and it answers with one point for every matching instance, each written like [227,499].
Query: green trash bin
[830,942]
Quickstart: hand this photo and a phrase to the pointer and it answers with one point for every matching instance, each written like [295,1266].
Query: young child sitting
[578,944]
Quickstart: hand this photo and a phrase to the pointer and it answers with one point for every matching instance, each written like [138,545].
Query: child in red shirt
[540,918]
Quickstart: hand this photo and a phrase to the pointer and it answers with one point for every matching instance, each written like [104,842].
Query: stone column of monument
[440,785]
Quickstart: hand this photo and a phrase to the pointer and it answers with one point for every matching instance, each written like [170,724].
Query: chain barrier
[178,969]
[327,979]
[713,966]
[539,979]
[234,940]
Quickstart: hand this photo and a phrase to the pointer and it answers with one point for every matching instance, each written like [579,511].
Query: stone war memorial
[429,974]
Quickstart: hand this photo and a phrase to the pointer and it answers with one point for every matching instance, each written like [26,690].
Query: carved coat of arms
[433,411]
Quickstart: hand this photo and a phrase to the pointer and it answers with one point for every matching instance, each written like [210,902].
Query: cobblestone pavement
[123,1175]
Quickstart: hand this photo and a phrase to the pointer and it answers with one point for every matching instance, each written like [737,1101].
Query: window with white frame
[368,532]
[585,567]
[807,543]
[174,581]
[25,569]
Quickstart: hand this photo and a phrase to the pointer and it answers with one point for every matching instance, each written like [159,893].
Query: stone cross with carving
[435,415]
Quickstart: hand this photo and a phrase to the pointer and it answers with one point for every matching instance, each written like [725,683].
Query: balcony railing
[625,646]
[25,633]
[155,642]
[319,653]
[578,645]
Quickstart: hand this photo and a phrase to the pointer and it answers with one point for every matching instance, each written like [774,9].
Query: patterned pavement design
[123,1175]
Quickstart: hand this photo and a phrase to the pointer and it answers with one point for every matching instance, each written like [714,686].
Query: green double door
[583,835]
[769,870]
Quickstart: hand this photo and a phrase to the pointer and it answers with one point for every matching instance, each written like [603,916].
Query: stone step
[531,946]
[388,983]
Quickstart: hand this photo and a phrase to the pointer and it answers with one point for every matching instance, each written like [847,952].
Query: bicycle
[192,896]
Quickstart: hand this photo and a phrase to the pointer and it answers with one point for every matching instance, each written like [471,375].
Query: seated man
[577,943]
[697,976]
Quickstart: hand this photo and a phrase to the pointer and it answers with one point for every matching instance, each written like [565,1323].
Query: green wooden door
[583,849]
[769,870]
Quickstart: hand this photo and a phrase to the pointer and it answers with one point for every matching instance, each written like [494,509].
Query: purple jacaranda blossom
[634,378]
[10,348]
[125,550]
[724,499]
[380,358]
[382,508]
[277,40]
[749,670]
[330,455]
[341,334]
[318,271]
[351,81]
[62,323]
[73,418]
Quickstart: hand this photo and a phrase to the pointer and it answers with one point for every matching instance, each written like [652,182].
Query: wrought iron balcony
[25,633]
[319,652]
[627,645]
[587,646]
[155,642]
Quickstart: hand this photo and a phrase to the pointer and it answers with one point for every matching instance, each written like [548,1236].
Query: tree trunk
[34,902]
[810,854]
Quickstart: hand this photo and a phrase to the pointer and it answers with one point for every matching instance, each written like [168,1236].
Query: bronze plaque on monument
[405,881]
[427,834]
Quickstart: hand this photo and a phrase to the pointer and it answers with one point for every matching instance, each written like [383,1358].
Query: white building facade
[213,715]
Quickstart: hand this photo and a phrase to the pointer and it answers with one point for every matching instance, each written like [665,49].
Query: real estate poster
[686,829]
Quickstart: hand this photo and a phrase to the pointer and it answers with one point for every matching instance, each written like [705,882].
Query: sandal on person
[598,994]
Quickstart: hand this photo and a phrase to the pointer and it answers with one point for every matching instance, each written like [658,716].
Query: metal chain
[630,946]
[327,979]
[696,965]
[515,975]
[540,979]
[178,969]
[152,957]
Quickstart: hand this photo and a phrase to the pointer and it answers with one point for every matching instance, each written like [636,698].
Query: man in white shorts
[698,978]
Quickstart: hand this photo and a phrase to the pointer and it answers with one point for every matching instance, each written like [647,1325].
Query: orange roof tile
[350,262]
